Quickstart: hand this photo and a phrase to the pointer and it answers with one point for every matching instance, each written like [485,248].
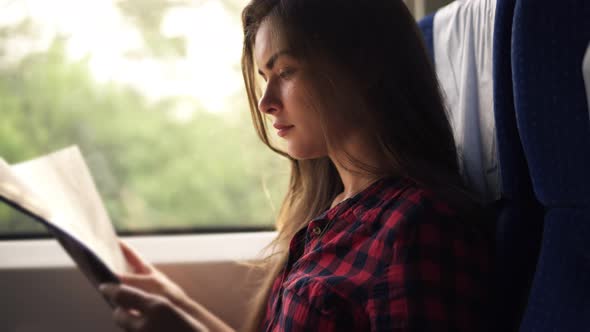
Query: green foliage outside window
[153,170]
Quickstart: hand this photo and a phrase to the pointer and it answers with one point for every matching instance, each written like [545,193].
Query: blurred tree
[147,17]
[152,169]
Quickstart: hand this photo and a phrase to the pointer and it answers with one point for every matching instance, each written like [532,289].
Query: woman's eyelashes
[286,72]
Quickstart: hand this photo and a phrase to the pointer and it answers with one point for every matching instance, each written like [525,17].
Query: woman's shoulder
[437,255]
[396,200]
[405,208]
[418,224]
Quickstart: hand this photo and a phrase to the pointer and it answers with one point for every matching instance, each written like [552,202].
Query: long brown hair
[376,45]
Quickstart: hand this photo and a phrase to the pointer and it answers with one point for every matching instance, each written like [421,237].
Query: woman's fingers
[136,310]
[127,297]
[128,321]
[157,283]
[144,282]
[134,259]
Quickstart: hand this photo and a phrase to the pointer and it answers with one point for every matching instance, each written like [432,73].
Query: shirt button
[317,230]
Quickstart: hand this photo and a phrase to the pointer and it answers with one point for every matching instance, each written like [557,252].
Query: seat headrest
[549,42]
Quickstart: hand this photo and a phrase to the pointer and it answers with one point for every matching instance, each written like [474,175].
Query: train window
[152,93]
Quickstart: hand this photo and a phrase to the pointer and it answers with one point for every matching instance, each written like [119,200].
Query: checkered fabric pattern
[392,258]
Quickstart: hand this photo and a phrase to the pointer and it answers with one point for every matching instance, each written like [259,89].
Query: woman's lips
[282,129]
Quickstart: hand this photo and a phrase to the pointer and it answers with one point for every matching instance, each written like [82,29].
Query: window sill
[158,249]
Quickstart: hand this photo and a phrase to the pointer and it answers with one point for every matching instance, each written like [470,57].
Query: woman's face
[289,97]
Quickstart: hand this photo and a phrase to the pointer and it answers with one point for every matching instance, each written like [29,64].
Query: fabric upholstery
[586,71]
[549,42]
[425,25]
[520,222]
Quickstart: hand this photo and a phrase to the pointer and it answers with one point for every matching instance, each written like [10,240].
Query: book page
[63,183]
[14,190]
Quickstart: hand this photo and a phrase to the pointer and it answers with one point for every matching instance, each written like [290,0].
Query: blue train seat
[520,215]
[550,39]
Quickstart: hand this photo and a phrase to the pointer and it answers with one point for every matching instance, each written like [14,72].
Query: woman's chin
[304,154]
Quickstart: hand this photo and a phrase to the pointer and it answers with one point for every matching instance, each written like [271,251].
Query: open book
[58,191]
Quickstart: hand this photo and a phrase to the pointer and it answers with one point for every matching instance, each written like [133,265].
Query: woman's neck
[354,179]
[353,184]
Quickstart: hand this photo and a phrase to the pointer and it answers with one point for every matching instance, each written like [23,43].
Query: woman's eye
[285,73]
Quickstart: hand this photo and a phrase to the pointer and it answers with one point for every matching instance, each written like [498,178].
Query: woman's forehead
[268,41]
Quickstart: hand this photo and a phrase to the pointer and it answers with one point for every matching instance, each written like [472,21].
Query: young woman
[376,232]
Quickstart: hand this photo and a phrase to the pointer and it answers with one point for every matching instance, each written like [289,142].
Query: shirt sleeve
[438,279]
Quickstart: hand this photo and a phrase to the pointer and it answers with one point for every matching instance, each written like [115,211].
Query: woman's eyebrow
[271,61]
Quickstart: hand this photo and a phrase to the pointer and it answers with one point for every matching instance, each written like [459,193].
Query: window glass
[151,91]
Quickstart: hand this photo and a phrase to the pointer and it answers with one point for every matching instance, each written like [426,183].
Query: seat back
[520,215]
[520,222]
[425,25]
[549,42]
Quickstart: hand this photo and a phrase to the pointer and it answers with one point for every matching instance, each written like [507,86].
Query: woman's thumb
[138,264]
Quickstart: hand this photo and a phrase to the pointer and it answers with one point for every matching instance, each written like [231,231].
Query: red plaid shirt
[393,258]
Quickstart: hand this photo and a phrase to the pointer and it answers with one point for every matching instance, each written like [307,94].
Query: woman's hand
[136,310]
[149,279]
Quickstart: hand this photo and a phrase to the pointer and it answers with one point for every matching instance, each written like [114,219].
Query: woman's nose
[269,102]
